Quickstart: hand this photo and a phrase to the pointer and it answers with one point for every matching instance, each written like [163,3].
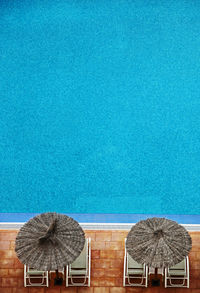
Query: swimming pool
[100,107]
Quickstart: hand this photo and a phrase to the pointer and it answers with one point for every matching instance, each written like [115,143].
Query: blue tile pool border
[103,218]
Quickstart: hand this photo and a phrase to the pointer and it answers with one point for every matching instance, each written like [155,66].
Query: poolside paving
[106,266]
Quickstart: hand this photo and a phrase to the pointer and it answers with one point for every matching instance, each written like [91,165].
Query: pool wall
[102,221]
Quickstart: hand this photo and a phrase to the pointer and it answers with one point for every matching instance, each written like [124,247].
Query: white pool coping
[96,226]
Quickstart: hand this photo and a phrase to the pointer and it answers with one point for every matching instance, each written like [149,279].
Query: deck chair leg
[89,261]
[67,276]
[24,275]
[146,279]
[47,279]
[165,278]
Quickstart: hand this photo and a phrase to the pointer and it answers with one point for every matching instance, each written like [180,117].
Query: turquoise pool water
[100,106]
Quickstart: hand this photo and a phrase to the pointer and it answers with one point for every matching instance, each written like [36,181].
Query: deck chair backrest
[81,261]
[133,264]
[33,271]
[180,266]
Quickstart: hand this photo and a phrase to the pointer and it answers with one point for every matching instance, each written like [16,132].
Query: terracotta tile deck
[107,266]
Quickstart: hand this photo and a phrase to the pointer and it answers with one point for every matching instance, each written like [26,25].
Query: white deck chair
[178,275]
[135,274]
[78,273]
[33,277]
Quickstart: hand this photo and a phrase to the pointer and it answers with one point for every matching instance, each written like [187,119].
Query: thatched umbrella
[49,241]
[158,242]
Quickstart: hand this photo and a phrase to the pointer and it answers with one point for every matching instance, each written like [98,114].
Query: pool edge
[98,226]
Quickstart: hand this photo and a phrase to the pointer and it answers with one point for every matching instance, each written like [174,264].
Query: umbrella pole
[156,281]
[57,280]
[156,273]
